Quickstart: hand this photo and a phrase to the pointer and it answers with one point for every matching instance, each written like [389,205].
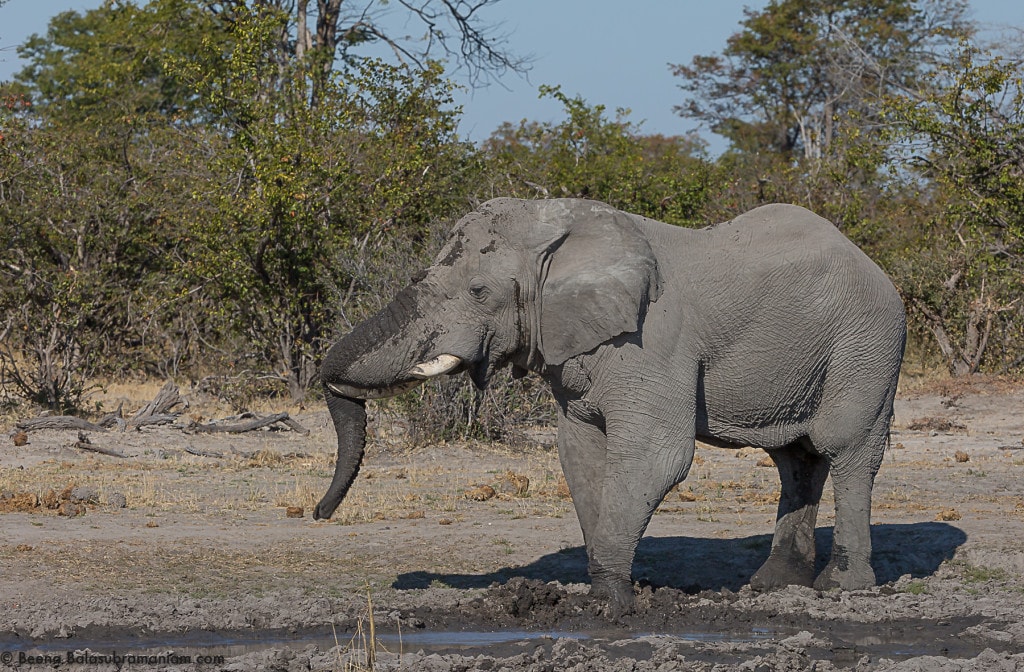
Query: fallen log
[294,425]
[154,420]
[192,450]
[160,411]
[167,398]
[84,443]
[162,404]
[115,419]
[255,423]
[58,422]
[96,449]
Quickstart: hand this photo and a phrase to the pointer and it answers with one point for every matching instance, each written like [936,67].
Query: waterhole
[241,642]
[845,642]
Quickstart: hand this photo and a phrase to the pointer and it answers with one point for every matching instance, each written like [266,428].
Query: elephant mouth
[438,366]
[486,364]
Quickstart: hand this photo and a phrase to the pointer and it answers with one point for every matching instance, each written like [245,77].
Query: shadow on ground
[694,564]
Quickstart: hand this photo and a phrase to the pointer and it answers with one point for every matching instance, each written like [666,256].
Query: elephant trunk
[371,362]
[349,417]
[374,359]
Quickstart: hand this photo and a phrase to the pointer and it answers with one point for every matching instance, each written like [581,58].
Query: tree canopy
[218,189]
[798,67]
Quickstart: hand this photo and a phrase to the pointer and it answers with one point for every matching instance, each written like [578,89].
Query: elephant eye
[479,290]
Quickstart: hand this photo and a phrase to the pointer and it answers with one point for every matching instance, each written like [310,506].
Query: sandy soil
[177,561]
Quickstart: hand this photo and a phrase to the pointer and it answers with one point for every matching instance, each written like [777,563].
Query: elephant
[771,330]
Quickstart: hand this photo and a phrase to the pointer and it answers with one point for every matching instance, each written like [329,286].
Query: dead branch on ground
[58,422]
[192,450]
[162,410]
[84,443]
[255,423]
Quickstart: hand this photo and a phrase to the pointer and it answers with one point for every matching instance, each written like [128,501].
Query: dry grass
[192,569]
[918,381]
[303,490]
[939,425]
[362,650]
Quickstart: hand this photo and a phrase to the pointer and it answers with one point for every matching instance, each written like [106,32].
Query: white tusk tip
[437,366]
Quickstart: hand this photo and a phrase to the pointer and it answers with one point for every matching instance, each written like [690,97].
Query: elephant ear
[598,275]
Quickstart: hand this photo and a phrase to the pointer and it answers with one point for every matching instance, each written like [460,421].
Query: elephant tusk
[371,392]
[437,366]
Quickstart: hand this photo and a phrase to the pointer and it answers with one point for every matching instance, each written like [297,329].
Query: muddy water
[231,644]
[839,642]
[533,626]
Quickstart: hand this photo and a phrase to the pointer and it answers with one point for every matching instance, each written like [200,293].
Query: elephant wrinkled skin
[771,330]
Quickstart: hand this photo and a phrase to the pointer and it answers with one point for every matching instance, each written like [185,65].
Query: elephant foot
[781,570]
[846,575]
[618,595]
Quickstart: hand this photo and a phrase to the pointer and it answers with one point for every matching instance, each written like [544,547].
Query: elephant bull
[771,330]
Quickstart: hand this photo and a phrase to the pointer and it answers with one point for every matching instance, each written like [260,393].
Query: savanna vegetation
[214,191]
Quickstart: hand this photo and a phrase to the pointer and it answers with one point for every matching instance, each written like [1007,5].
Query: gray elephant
[771,330]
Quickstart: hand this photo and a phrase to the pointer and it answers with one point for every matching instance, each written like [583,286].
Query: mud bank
[503,627]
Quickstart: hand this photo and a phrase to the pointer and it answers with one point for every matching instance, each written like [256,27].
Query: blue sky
[594,48]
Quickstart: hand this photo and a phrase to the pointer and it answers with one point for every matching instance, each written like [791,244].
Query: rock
[294,512]
[83,494]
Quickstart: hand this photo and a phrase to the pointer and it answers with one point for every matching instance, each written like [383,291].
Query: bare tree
[416,31]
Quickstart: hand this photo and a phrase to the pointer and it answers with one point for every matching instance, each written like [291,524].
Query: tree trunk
[302,38]
[965,359]
[326,43]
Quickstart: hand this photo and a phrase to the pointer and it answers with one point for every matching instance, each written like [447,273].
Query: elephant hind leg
[853,471]
[791,561]
[849,567]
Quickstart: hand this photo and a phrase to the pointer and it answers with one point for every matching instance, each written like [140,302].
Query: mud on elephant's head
[520,282]
[526,283]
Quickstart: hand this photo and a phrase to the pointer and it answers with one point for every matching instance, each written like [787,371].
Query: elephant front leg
[791,561]
[637,478]
[582,447]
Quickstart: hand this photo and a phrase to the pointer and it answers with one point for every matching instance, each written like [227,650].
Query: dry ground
[203,560]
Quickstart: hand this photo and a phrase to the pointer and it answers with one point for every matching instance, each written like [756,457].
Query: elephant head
[526,283]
